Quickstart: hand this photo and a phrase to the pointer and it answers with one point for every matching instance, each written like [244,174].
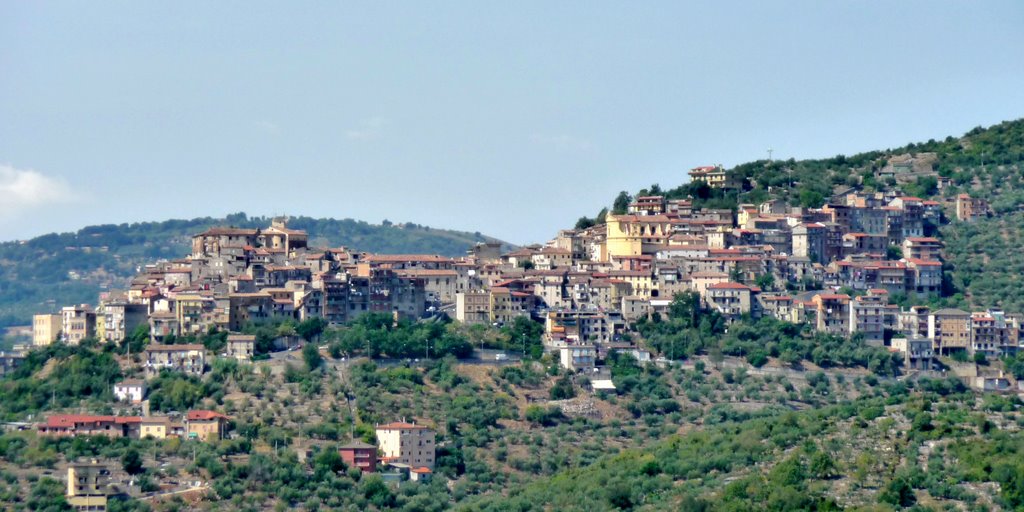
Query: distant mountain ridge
[57,269]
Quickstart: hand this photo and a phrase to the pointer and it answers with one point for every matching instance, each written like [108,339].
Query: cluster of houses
[201,425]
[837,267]
[404,451]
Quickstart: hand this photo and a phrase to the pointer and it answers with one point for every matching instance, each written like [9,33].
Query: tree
[822,466]
[715,356]
[311,355]
[621,204]
[563,389]
[894,252]
[311,328]
[898,492]
[131,461]
[584,223]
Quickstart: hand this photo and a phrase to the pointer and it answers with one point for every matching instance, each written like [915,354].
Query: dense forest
[50,271]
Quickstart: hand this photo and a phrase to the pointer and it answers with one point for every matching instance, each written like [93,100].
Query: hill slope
[57,269]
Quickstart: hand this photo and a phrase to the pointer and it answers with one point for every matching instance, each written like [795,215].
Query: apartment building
[949,330]
[970,208]
[833,313]
[77,323]
[407,443]
[46,329]
[189,359]
[88,486]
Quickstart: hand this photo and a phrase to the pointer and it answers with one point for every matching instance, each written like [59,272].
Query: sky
[512,119]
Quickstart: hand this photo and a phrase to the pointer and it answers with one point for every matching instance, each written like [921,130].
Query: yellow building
[633,235]
[87,486]
[194,312]
[45,329]
[154,427]
[206,425]
[641,282]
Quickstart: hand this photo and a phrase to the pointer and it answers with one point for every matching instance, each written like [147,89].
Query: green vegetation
[59,376]
[379,335]
[53,270]
[876,451]
[690,331]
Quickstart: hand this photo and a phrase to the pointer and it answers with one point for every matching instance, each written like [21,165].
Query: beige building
[153,426]
[473,307]
[949,330]
[45,329]
[88,486]
[77,323]
[407,443]
[730,299]
[833,313]
[970,208]
[190,359]
[241,346]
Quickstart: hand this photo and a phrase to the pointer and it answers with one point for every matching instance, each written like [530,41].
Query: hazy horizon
[508,120]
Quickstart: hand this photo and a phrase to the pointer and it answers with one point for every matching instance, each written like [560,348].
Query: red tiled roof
[69,420]
[399,425]
[400,258]
[729,286]
[203,415]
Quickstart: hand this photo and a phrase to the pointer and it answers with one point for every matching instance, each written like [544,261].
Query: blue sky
[512,120]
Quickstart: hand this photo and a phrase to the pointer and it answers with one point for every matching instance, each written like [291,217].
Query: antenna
[770,154]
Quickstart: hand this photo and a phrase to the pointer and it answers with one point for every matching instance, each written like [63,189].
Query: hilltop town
[379,372]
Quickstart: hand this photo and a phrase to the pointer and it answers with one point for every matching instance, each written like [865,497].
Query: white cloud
[563,142]
[369,129]
[23,189]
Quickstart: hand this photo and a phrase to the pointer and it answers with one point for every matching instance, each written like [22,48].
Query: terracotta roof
[398,258]
[69,420]
[422,471]
[203,415]
[398,425]
[728,286]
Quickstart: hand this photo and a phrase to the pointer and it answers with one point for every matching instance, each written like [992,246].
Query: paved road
[485,357]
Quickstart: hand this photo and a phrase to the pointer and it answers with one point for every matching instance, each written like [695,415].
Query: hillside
[983,261]
[685,437]
[51,270]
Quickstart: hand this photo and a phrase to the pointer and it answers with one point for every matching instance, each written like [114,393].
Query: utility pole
[769,155]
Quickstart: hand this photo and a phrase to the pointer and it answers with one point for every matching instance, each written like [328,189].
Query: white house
[130,390]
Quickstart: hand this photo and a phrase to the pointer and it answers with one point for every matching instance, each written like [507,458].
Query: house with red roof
[203,425]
